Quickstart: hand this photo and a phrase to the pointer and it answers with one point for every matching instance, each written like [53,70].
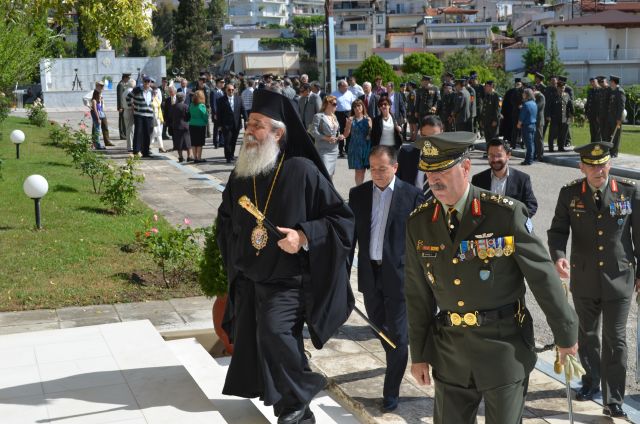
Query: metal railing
[576,55]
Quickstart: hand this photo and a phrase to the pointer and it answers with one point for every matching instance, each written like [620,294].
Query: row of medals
[486,248]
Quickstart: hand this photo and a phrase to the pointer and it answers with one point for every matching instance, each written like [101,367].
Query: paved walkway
[354,359]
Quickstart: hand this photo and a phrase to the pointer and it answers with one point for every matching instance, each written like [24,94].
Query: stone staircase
[124,373]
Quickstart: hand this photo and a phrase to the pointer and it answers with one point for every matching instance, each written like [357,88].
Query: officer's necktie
[597,197]
[453,222]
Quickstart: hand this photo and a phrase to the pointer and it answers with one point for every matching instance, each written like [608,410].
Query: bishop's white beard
[257,158]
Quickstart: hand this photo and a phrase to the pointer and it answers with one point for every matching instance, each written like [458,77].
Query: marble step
[210,372]
[113,373]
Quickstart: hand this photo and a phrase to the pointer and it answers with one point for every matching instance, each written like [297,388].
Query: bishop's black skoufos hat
[594,153]
[297,141]
[440,152]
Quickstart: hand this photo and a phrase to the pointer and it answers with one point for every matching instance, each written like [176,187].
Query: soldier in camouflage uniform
[602,214]
[467,254]
[617,100]
[490,111]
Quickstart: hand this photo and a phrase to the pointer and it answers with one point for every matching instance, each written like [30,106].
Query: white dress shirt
[230,98]
[381,202]
[499,185]
[344,100]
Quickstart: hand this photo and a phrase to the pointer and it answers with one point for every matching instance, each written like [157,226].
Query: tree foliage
[553,65]
[163,21]
[372,67]
[423,64]
[488,66]
[534,57]
[114,20]
[217,13]
[24,38]
[192,45]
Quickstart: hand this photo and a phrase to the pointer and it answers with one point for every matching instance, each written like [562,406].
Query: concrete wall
[57,75]
[513,60]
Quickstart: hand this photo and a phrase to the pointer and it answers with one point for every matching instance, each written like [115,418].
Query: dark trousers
[218,139]
[269,359]
[142,134]
[230,136]
[594,130]
[490,132]
[121,127]
[538,139]
[105,130]
[389,314]
[558,132]
[606,365]
[342,121]
[459,405]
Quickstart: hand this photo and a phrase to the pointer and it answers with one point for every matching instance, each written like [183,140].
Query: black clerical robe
[304,199]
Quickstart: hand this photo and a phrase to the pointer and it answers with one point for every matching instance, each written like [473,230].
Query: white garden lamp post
[17,138]
[36,186]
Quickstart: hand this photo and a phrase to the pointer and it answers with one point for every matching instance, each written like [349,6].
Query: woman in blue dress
[358,127]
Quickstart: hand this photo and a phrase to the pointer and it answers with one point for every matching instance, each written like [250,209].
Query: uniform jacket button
[460,303]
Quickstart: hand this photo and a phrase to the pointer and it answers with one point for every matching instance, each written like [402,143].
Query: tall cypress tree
[191,44]
[553,65]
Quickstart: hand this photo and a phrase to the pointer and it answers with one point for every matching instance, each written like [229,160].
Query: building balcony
[366,33]
[467,42]
[594,55]
[350,56]
[352,6]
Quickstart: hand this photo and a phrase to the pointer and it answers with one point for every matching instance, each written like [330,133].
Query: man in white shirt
[354,87]
[344,98]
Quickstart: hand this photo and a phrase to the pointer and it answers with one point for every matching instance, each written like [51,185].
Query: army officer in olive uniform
[603,215]
[467,254]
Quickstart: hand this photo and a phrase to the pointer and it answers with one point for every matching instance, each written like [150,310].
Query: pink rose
[154,230]
[187,221]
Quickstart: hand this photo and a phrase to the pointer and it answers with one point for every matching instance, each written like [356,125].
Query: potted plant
[213,281]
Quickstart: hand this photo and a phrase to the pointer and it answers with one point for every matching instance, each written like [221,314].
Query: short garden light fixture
[17,138]
[36,186]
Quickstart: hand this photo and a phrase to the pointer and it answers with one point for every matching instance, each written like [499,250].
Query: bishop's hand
[293,240]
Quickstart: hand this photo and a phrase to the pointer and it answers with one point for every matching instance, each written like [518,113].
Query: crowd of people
[442,256]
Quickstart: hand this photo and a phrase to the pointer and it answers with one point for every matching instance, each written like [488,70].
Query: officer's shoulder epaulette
[574,182]
[626,181]
[497,199]
[423,206]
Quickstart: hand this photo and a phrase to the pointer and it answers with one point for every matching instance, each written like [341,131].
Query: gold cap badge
[597,151]
[429,149]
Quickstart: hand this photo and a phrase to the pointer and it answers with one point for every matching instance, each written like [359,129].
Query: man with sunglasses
[600,212]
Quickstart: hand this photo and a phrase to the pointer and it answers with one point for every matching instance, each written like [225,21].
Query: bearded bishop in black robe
[273,293]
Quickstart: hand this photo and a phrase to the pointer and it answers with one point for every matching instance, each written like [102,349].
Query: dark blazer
[214,95]
[518,187]
[408,159]
[405,199]
[187,94]
[376,132]
[401,109]
[372,109]
[179,116]
[227,118]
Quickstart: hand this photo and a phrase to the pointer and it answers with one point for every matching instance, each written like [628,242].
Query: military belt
[480,318]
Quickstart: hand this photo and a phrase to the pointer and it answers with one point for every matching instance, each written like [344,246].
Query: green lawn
[77,258]
[630,138]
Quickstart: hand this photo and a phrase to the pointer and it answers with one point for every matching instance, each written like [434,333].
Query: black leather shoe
[390,403]
[586,393]
[614,410]
[303,415]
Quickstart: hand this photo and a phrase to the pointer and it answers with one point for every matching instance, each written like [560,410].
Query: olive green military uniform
[603,272]
[465,301]
[426,100]
[490,114]
[602,108]
[445,110]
